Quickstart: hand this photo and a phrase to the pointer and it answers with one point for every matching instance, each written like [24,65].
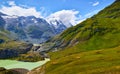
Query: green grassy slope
[100,31]
[104,61]
[91,47]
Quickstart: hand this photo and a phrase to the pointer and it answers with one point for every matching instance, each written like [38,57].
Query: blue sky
[77,9]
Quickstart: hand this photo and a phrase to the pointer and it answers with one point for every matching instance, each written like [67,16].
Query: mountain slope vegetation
[91,47]
[96,32]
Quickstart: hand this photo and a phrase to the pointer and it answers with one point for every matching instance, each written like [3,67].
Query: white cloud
[11,3]
[66,16]
[19,11]
[96,3]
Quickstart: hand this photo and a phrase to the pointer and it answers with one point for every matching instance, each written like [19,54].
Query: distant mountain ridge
[32,29]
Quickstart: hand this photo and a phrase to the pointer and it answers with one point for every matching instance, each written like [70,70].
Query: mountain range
[31,29]
[18,34]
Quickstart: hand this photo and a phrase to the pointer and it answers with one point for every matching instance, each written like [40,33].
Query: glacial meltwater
[10,64]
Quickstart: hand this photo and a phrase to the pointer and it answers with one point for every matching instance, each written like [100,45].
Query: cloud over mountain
[14,9]
[66,16]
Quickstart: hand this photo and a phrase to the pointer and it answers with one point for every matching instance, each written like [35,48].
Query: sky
[68,11]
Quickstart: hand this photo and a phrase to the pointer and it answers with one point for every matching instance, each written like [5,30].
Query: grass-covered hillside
[99,31]
[91,47]
[103,61]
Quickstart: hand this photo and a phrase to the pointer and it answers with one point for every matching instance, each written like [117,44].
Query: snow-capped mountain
[58,26]
[32,29]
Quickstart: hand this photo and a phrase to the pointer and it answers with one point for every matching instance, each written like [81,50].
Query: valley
[37,46]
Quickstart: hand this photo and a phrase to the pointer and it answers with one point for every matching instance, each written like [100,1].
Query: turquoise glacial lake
[10,64]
